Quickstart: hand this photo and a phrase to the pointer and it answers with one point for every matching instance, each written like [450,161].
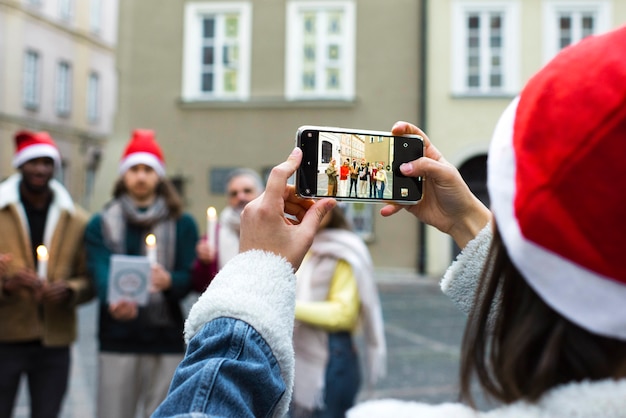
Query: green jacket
[21,317]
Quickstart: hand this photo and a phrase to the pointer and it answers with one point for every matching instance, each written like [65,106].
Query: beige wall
[261,133]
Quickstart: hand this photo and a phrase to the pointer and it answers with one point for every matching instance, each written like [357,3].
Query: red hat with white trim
[30,145]
[142,148]
[557,181]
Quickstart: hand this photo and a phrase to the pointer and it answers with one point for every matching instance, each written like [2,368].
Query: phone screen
[357,165]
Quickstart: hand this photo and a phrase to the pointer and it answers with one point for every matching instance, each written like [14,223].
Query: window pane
[334,24]
[495,80]
[207,55]
[308,81]
[473,22]
[232,26]
[31,79]
[588,25]
[207,82]
[333,52]
[309,23]
[309,52]
[208,28]
[327,152]
[230,81]
[473,81]
[332,79]
[93,98]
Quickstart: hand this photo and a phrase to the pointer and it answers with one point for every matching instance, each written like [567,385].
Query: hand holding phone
[357,165]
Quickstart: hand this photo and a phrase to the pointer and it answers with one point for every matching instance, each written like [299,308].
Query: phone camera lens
[405,145]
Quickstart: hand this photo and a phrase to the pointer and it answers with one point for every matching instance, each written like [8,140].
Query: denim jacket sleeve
[228,371]
[239,359]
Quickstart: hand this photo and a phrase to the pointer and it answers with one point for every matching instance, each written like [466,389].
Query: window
[95,16]
[320,50]
[567,22]
[93,98]
[485,48]
[217,51]
[64,89]
[66,9]
[31,80]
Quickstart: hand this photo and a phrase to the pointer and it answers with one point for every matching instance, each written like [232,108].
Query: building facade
[480,55]
[226,84]
[58,74]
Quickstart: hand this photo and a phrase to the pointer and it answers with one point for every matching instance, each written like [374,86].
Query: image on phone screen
[357,165]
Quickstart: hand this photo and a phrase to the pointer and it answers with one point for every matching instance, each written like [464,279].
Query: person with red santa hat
[140,347]
[541,274]
[39,289]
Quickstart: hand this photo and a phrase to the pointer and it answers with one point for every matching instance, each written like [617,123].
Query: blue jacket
[239,360]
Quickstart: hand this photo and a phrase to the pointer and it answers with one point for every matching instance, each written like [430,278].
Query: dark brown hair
[164,188]
[518,347]
[338,220]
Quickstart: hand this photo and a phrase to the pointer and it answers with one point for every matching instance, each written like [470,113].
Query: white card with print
[129,278]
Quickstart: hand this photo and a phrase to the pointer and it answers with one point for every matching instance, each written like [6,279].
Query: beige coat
[21,317]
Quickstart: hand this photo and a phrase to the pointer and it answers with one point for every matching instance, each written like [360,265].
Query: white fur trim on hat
[37,151]
[590,300]
[146,158]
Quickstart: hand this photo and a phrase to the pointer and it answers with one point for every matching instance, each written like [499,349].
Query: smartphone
[357,165]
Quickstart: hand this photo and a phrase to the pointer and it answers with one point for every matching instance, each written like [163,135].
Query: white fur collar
[606,399]
[9,193]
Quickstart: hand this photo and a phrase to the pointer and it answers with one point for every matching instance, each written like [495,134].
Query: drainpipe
[421,117]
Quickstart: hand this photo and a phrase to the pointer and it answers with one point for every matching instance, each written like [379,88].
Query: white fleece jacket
[600,399]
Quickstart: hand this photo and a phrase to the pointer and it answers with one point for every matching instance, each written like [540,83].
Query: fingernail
[405,168]
[295,151]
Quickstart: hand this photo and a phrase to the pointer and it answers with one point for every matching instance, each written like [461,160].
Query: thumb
[316,213]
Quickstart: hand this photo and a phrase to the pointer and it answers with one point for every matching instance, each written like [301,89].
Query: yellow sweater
[340,310]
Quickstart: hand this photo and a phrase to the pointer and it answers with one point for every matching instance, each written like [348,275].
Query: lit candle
[211,216]
[42,262]
[151,248]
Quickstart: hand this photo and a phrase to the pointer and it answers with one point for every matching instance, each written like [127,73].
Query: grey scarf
[155,220]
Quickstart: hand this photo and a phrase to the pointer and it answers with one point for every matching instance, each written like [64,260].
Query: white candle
[42,262]
[151,248]
[211,216]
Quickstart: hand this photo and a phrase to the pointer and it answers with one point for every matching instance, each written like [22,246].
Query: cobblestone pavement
[423,329]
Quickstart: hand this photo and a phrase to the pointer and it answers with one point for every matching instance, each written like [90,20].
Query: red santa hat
[556,177]
[30,145]
[142,148]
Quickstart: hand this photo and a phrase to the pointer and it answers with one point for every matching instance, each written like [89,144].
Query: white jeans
[127,382]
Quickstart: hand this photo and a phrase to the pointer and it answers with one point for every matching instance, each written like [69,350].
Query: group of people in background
[140,347]
[359,179]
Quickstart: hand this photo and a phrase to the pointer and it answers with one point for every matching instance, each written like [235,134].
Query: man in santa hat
[140,347]
[39,288]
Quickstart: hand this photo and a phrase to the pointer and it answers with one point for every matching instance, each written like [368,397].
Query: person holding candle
[39,291]
[242,186]
[140,347]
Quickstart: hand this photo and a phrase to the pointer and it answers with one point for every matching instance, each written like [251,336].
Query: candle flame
[211,213]
[42,253]
[150,240]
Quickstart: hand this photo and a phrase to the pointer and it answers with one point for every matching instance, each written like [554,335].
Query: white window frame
[294,52]
[93,97]
[31,89]
[64,89]
[553,8]
[510,48]
[66,9]
[192,57]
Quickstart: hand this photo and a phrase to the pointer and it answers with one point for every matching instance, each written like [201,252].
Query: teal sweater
[139,336]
